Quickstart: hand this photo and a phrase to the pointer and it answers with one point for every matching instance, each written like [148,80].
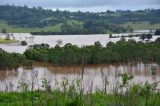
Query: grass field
[57,27]
[71,98]
[142,25]
[13,29]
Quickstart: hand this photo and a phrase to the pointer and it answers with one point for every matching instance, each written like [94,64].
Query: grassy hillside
[25,19]
[14,29]
[57,27]
[142,25]
[52,28]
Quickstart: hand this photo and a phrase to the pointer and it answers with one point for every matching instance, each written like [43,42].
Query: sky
[87,5]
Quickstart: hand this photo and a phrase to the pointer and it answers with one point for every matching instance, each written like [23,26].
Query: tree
[59,42]
[109,44]
[4,31]
[157,40]
[129,29]
[98,44]
[110,35]
[149,36]
[143,36]
[157,32]
[23,43]
[7,37]
[146,36]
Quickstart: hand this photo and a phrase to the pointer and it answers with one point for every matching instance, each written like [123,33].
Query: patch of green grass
[142,25]
[75,22]
[57,98]
[6,41]
[14,29]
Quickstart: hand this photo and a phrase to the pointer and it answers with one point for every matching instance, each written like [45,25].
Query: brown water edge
[92,73]
[77,69]
[69,69]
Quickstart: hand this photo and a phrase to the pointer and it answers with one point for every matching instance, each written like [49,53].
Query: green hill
[24,19]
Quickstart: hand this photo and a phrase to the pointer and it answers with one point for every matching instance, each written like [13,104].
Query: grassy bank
[60,99]
[6,41]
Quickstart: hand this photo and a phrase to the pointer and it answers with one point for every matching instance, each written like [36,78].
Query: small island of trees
[122,51]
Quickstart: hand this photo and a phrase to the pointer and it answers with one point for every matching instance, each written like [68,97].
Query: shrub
[23,43]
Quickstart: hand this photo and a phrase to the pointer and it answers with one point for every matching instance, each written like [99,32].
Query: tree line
[100,22]
[12,60]
[76,29]
[39,17]
[122,51]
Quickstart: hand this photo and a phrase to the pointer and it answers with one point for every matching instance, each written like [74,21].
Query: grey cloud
[85,3]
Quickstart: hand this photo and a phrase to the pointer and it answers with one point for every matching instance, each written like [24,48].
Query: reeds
[74,93]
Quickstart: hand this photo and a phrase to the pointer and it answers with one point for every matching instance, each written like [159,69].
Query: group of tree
[145,36]
[77,29]
[100,22]
[12,60]
[4,31]
[39,17]
[141,36]
[122,51]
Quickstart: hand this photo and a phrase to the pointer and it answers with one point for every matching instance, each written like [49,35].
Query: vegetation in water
[6,41]
[121,51]
[12,60]
[73,94]
[39,21]
[23,43]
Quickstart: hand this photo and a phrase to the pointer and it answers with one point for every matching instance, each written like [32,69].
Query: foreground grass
[57,98]
[73,94]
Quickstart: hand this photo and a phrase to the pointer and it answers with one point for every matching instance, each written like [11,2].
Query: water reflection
[93,74]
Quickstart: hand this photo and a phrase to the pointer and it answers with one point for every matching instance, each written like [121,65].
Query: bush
[12,60]
[23,43]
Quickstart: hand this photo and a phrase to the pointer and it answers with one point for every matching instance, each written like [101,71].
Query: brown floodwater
[79,40]
[93,75]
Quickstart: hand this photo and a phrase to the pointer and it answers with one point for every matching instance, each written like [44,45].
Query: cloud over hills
[108,4]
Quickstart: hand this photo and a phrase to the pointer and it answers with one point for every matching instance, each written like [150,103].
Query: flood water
[93,75]
[79,40]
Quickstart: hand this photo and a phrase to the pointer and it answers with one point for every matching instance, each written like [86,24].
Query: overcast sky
[88,5]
